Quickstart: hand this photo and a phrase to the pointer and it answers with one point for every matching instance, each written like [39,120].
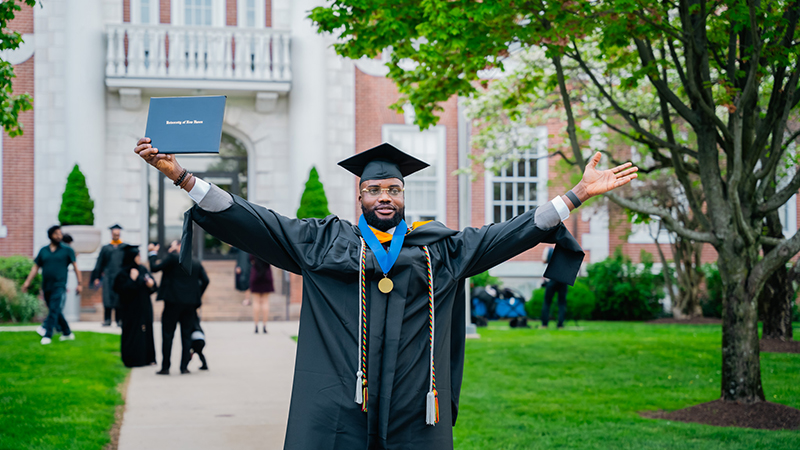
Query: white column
[84,90]
[307,109]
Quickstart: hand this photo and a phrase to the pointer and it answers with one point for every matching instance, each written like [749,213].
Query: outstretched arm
[476,250]
[597,182]
[290,244]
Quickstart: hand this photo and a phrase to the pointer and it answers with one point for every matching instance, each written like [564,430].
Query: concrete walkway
[241,402]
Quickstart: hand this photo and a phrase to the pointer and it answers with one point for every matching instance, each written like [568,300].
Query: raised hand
[166,164]
[596,182]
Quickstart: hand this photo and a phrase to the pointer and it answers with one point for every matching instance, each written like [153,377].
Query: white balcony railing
[170,52]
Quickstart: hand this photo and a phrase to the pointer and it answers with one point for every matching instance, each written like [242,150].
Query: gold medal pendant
[385,285]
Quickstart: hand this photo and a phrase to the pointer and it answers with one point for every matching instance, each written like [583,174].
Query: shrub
[313,203]
[624,290]
[76,205]
[484,279]
[712,301]
[16,306]
[17,268]
[580,302]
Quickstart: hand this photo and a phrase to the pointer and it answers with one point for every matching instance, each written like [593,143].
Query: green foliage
[17,268]
[59,396]
[580,302]
[21,308]
[11,105]
[712,302]
[484,279]
[624,290]
[313,203]
[76,204]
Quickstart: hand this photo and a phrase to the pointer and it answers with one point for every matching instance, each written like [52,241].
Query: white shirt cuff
[561,208]
[200,189]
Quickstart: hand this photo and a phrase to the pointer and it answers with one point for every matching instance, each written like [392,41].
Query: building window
[425,190]
[521,185]
[251,13]
[145,12]
[198,13]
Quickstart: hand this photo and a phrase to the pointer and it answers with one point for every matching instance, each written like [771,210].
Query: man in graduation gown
[109,263]
[365,376]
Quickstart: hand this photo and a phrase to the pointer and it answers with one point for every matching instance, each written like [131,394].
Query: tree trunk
[775,301]
[775,304]
[741,369]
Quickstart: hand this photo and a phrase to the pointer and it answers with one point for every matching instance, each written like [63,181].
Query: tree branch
[782,196]
[672,224]
[777,257]
[573,137]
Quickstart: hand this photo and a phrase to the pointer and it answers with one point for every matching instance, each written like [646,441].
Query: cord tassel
[366,398]
[359,395]
[432,409]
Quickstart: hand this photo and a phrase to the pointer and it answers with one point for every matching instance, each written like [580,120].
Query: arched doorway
[227,170]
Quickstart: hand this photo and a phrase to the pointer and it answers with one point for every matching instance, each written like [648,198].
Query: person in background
[552,287]
[54,260]
[243,274]
[260,288]
[134,284]
[109,263]
[197,343]
[182,293]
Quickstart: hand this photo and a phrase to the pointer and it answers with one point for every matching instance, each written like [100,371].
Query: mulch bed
[779,346]
[690,321]
[761,415]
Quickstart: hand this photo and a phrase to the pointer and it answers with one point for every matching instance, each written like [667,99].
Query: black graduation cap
[116,226]
[382,162]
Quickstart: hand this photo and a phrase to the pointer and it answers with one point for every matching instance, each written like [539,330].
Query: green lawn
[59,396]
[582,388]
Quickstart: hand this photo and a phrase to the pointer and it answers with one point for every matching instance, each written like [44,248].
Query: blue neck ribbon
[385,260]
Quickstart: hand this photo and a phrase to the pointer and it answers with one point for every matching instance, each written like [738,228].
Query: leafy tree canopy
[11,105]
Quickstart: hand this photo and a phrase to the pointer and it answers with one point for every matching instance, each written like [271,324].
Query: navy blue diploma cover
[186,124]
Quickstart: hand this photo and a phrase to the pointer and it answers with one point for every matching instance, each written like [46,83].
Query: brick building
[93,65]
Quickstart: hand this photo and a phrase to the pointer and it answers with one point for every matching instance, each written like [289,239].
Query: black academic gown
[138,347]
[323,413]
[108,265]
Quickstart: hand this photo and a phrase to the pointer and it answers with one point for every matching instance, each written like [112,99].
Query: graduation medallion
[386,285]
[385,259]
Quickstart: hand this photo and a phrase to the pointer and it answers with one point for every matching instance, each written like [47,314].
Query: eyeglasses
[376,191]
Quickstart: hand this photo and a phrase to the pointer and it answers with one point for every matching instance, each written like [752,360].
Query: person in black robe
[134,285]
[109,263]
[380,366]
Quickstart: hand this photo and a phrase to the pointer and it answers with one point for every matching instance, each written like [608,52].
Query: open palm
[598,182]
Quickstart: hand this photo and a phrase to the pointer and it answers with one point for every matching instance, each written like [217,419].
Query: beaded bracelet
[180,178]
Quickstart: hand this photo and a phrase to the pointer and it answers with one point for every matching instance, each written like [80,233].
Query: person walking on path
[389,321]
[54,260]
[134,284]
[181,292]
[552,287]
[109,263]
[242,273]
[260,288]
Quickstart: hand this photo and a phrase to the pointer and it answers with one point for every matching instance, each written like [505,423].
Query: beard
[383,224]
